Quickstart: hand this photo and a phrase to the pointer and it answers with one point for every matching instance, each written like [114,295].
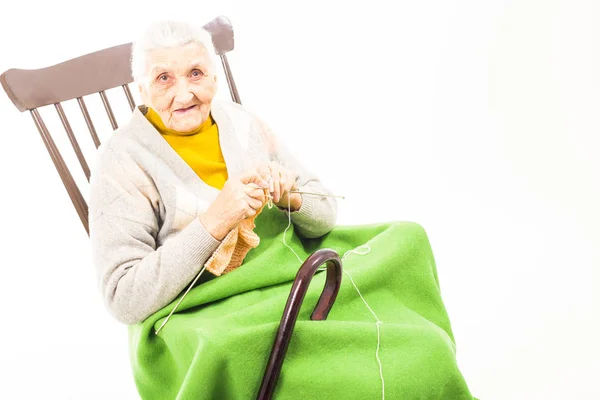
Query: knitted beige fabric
[233,248]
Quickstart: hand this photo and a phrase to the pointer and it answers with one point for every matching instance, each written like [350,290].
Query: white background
[478,120]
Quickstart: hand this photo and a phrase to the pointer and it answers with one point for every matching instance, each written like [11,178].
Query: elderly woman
[187,169]
[187,185]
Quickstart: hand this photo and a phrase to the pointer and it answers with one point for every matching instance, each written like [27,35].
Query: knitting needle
[180,300]
[303,192]
[316,194]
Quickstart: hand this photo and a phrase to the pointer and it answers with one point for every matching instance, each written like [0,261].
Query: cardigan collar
[149,137]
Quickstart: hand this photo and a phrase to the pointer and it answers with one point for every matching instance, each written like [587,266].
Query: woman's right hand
[238,200]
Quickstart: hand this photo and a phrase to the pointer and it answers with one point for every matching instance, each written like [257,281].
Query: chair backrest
[90,74]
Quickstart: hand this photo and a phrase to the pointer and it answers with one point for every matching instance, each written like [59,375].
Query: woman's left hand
[281,181]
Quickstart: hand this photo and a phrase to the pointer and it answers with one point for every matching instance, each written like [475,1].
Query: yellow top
[200,149]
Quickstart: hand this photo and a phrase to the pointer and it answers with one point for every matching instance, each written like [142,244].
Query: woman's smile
[182,111]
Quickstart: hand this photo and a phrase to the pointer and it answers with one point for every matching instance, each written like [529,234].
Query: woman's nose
[183,92]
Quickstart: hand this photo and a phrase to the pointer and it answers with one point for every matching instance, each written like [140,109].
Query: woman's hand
[238,200]
[281,182]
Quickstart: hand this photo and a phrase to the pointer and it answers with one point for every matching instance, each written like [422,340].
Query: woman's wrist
[213,228]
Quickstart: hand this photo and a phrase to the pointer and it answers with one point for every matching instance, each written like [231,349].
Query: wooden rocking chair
[97,72]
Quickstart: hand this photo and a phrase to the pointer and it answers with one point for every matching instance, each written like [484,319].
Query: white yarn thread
[378,321]
[346,254]
[286,229]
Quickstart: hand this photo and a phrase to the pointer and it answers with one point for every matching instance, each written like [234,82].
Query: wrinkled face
[180,86]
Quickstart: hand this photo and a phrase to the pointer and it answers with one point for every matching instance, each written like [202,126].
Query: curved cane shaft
[292,308]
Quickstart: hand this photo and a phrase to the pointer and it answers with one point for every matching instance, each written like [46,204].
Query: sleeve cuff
[306,212]
[200,244]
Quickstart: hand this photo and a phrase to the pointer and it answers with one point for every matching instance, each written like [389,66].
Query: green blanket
[217,344]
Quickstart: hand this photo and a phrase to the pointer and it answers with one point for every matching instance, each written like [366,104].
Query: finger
[258,194]
[289,181]
[254,191]
[244,208]
[276,193]
[250,212]
[283,175]
[283,184]
[264,171]
[278,174]
[270,179]
[292,178]
[253,177]
[254,203]
[283,191]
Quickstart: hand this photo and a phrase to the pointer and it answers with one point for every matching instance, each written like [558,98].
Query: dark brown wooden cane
[292,308]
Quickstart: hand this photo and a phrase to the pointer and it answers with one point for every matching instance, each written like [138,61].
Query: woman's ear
[216,83]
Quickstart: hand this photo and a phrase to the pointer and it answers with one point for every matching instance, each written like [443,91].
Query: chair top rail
[91,73]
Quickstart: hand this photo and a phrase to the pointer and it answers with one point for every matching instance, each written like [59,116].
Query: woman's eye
[163,78]
[197,73]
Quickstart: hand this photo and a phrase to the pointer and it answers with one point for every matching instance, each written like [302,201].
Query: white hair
[167,34]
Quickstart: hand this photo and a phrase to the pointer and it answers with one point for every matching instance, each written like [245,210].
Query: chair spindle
[88,121]
[72,189]
[73,140]
[108,109]
[129,97]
